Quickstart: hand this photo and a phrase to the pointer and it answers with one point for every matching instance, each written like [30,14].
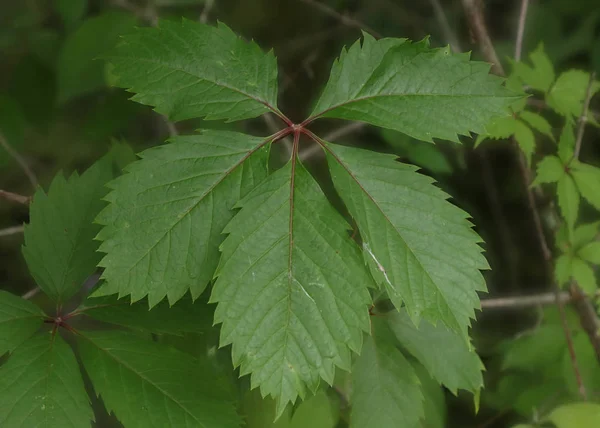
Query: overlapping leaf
[147,384]
[59,241]
[386,391]
[166,214]
[41,386]
[19,319]
[425,93]
[411,236]
[291,287]
[188,70]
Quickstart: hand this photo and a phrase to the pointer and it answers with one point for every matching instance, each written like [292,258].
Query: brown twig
[15,197]
[449,35]
[11,231]
[477,23]
[22,162]
[31,293]
[208,5]
[521,29]
[584,115]
[344,19]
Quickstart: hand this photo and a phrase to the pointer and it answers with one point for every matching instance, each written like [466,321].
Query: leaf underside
[291,287]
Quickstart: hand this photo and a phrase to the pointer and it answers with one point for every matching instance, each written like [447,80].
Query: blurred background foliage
[59,111]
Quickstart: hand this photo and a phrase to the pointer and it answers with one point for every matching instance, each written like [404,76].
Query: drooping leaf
[166,214]
[422,92]
[78,69]
[385,387]
[411,235]
[549,170]
[188,69]
[587,179]
[19,319]
[568,199]
[59,240]
[567,95]
[183,317]
[149,384]
[41,386]
[583,274]
[526,140]
[541,75]
[590,253]
[537,122]
[457,367]
[291,287]
[576,415]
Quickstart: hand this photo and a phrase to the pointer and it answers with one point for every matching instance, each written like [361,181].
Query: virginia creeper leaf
[291,287]
[183,317]
[541,75]
[434,403]
[59,240]
[568,92]
[19,319]
[590,253]
[386,392]
[586,233]
[411,235]
[566,144]
[422,92]
[562,269]
[188,69]
[576,415]
[587,179]
[549,170]
[568,199]
[583,274]
[537,122]
[41,386]
[457,367]
[166,214]
[526,140]
[498,128]
[147,384]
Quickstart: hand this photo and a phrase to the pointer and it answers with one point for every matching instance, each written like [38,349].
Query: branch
[11,231]
[22,162]
[521,29]
[208,5]
[15,197]
[477,24]
[542,299]
[31,293]
[344,19]
[584,115]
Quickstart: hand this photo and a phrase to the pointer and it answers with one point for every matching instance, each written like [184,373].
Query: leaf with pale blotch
[549,170]
[425,93]
[188,69]
[41,386]
[568,199]
[385,388]
[19,319]
[458,367]
[166,214]
[411,235]
[291,287]
[148,384]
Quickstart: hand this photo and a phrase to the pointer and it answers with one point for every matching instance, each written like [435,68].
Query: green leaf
[458,367]
[590,253]
[315,412]
[568,199]
[587,178]
[71,11]
[385,387]
[146,384]
[59,240]
[541,75]
[587,363]
[566,144]
[411,235]
[434,403]
[563,269]
[260,412]
[166,214]
[183,317]
[41,386]
[583,274]
[549,170]
[188,69]
[525,139]
[567,95]
[499,128]
[78,70]
[19,319]
[586,233]
[291,287]
[537,122]
[422,92]
[425,155]
[577,415]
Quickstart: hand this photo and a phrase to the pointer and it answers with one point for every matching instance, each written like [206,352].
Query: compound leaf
[19,319]
[188,69]
[386,392]
[411,235]
[425,93]
[291,288]
[457,367]
[41,386]
[166,214]
[147,384]
[59,240]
